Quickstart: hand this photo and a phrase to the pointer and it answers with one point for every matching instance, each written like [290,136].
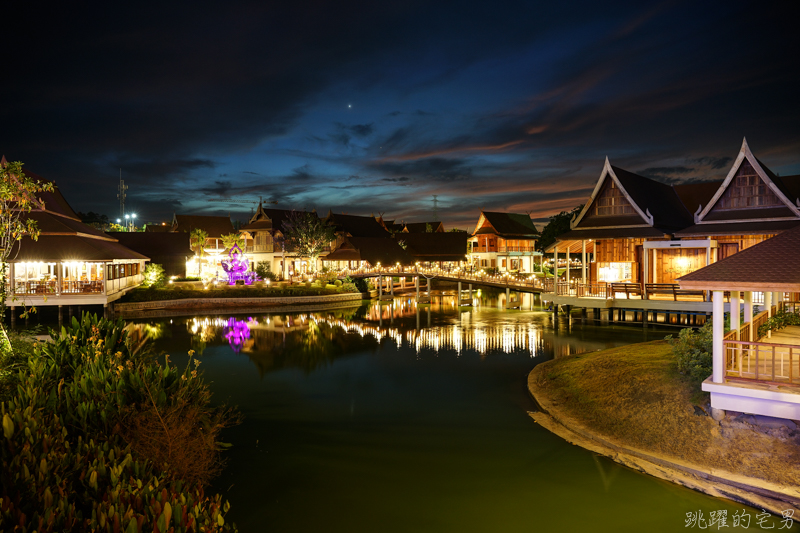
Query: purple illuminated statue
[236,267]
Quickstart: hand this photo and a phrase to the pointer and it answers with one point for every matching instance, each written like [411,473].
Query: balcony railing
[762,362]
[503,249]
[50,287]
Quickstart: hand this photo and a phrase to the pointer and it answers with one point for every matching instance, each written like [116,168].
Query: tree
[558,224]
[19,194]
[197,239]
[307,235]
[233,238]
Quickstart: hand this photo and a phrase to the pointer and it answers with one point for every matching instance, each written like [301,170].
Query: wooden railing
[592,290]
[762,362]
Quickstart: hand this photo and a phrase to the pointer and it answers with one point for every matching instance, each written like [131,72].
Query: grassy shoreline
[634,396]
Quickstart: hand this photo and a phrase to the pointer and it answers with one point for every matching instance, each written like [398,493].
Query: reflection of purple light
[236,332]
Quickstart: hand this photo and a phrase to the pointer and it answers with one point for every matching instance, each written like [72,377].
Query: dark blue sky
[374,107]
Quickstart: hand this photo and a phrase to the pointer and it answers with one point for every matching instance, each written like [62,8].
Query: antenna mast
[435,208]
[121,195]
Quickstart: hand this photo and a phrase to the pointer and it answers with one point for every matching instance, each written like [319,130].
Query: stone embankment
[654,428]
[181,307]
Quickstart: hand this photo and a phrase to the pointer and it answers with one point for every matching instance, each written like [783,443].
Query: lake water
[394,418]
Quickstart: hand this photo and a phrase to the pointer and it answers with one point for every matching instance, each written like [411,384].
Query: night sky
[375,107]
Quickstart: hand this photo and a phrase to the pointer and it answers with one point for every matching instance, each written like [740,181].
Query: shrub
[264,271]
[73,457]
[777,322]
[693,351]
[360,284]
[153,276]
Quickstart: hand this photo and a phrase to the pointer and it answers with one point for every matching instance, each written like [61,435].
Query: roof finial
[745,146]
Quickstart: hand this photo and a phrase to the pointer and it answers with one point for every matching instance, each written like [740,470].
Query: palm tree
[197,239]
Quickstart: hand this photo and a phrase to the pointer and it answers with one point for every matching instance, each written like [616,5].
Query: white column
[748,312]
[768,307]
[777,297]
[718,328]
[735,312]
[555,268]
[568,268]
[583,262]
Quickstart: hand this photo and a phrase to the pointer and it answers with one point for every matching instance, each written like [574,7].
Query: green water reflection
[398,418]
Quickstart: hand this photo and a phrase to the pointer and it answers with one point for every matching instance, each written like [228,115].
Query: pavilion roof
[422,227]
[357,226]
[771,265]
[510,225]
[58,248]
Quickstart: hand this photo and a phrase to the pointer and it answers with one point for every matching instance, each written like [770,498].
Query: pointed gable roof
[654,204]
[711,212]
[506,225]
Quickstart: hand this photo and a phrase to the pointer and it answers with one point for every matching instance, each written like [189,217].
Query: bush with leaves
[692,350]
[264,271]
[154,276]
[777,322]
[100,437]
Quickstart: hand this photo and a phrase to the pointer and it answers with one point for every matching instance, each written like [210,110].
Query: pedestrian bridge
[386,285]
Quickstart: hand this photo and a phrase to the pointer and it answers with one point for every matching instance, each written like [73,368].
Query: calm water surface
[393,418]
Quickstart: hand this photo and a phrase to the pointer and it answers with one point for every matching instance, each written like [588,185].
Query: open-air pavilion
[757,374]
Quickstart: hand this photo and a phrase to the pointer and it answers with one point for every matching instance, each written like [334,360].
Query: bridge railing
[505,279]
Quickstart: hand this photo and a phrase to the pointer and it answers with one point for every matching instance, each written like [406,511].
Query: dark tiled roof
[658,198]
[357,226]
[422,227]
[440,246]
[375,250]
[744,214]
[214,226]
[155,244]
[55,248]
[157,228]
[512,225]
[610,233]
[772,265]
[694,195]
[738,228]
[257,225]
[49,223]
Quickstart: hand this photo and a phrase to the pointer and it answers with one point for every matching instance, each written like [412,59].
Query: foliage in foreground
[692,351]
[778,321]
[99,437]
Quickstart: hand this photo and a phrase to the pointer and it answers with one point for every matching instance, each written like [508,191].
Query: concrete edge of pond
[750,491]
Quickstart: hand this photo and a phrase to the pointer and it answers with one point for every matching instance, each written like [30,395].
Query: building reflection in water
[274,332]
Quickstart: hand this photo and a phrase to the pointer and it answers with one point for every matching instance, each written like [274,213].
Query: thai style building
[207,263]
[504,241]
[265,242]
[643,234]
[754,371]
[353,253]
[446,250]
[70,263]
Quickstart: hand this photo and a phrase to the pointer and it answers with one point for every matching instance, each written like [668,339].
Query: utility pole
[121,195]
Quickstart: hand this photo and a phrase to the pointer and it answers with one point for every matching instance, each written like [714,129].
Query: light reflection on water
[400,417]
